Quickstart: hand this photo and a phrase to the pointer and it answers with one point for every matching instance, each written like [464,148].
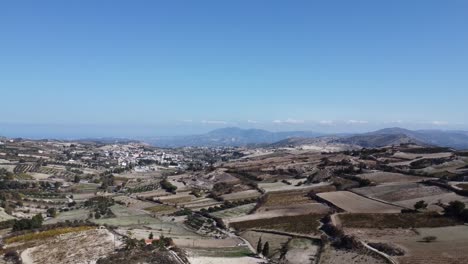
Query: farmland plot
[292,210]
[199,203]
[354,203]
[234,212]
[241,195]
[400,192]
[412,156]
[134,203]
[382,177]
[414,220]
[333,255]
[80,214]
[174,230]
[448,248]
[275,241]
[434,199]
[407,194]
[298,224]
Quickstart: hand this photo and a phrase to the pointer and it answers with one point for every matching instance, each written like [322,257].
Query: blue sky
[109,68]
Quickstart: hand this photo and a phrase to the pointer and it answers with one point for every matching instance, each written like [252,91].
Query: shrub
[12,256]
[429,239]
[420,205]
[169,187]
[454,209]
[26,224]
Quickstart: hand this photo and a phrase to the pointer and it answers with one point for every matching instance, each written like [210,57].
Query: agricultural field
[298,224]
[407,194]
[131,221]
[72,215]
[293,210]
[354,203]
[414,156]
[286,198]
[333,255]
[449,245]
[85,188]
[243,195]
[199,203]
[276,241]
[381,177]
[161,209]
[176,199]
[133,203]
[174,230]
[234,212]
[409,220]
[400,192]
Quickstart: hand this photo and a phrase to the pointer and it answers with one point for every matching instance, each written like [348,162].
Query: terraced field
[241,195]
[300,224]
[381,177]
[448,248]
[234,212]
[407,194]
[348,220]
[400,192]
[351,202]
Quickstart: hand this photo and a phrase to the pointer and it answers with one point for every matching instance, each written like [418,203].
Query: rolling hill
[233,136]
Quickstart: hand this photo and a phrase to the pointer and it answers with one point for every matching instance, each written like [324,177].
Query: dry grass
[176,200]
[47,234]
[354,203]
[302,224]
[415,220]
[160,209]
[287,198]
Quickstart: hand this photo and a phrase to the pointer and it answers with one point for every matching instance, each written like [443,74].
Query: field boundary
[389,259]
[446,186]
[284,233]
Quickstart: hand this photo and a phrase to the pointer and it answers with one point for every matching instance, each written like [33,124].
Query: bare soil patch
[354,203]
[389,177]
[300,224]
[400,192]
[409,220]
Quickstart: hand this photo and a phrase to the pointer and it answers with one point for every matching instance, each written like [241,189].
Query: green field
[234,212]
[230,252]
[80,214]
[301,224]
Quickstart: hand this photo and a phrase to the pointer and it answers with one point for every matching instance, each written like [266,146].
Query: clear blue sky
[175,67]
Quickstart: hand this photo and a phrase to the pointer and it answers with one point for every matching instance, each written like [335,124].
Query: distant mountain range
[233,136]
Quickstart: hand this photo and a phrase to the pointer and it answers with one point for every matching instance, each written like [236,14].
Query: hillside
[386,137]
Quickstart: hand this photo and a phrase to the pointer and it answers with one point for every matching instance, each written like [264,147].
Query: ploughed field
[354,203]
[299,224]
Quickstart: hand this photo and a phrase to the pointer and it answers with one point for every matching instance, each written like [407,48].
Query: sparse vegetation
[415,220]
